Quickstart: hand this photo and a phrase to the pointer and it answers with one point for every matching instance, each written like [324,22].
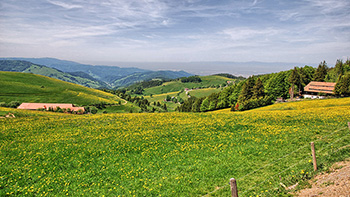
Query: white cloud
[64,5]
[244,33]
[189,30]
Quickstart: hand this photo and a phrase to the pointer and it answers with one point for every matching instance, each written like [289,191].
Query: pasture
[170,154]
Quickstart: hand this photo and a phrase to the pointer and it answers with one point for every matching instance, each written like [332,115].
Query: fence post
[349,125]
[233,184]
[313,155]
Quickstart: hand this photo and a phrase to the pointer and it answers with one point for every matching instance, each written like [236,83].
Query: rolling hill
[113,75]
[146,76]
[27,87]
[176,88]
[28,67]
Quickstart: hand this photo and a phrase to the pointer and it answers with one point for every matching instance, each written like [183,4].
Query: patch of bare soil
[334,183]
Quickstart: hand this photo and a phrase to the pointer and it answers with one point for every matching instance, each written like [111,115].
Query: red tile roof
[35,106]
[322,87]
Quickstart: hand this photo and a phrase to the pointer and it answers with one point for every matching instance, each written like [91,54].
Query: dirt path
[335,183]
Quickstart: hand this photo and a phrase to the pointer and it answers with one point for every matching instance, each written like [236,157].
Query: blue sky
[107,31]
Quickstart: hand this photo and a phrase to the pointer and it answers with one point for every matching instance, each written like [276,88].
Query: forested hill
[114,76]
[263,90]
[28,67]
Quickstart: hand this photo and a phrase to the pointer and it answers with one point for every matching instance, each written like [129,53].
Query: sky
[111,31]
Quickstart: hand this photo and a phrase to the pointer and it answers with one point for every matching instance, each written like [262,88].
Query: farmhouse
[47,106]
[314,88]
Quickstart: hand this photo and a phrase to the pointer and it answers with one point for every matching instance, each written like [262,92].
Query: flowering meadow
[170,154]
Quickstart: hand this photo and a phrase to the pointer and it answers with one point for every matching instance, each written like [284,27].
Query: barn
[315,88]
[47,106]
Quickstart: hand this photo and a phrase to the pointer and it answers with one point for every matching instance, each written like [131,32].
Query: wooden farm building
[47,106]
[314,88]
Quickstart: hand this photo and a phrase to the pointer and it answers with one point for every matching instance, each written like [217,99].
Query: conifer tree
[343,86]
[258,89]
[339,67]
[294,78]
[321,72]
[246,92]
[302,79]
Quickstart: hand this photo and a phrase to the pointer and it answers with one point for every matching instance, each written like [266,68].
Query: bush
[193,79]
[93,110]
[12,104]
[254,103]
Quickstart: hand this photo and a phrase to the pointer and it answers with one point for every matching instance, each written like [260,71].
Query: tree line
[257,91]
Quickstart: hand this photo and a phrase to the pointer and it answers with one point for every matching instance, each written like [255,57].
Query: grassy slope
[170,154]
[171,105]
[50,72]
[25,87]
[176,86]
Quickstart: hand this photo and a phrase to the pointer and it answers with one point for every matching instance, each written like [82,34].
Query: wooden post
[234,191]
[313,155]
[349,125]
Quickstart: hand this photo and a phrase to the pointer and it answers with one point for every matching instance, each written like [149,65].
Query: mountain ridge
[107,74]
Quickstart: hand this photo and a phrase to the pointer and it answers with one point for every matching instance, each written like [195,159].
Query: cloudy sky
[107,31]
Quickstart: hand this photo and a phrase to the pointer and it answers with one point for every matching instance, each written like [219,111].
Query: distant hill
[28,67]
[113,75]
[138,77]
[27,87]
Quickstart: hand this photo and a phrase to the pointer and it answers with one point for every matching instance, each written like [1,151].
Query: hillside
[28,67]
[177,85]
[26,87]
[171,154]
[146,76]
[176,89]
[107,73]
[112,75]
[181,94]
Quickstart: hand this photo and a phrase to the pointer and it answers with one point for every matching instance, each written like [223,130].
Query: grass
[125,108]
[171,105]
[170,154]
[176,86]
[24,87]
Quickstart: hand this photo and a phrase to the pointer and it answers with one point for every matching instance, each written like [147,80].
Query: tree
[165,107]
[205,105]
[246,92]
[277,85]
[93,110]
[307,74]
[302,79]
[196,107]
[224,97]
[168,98]
[342,88]
[339,67]
[138,90]
[258,89]
[294,78]
[321,72]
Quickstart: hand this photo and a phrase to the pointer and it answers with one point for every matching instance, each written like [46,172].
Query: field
[176,86]
[24,87]
[171,105]
[170,154]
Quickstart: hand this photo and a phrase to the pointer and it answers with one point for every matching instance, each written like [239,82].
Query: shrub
[93,110]
[12,104]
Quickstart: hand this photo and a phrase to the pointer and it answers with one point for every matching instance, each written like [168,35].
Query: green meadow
[170,154]
[181,94]
[24,87]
